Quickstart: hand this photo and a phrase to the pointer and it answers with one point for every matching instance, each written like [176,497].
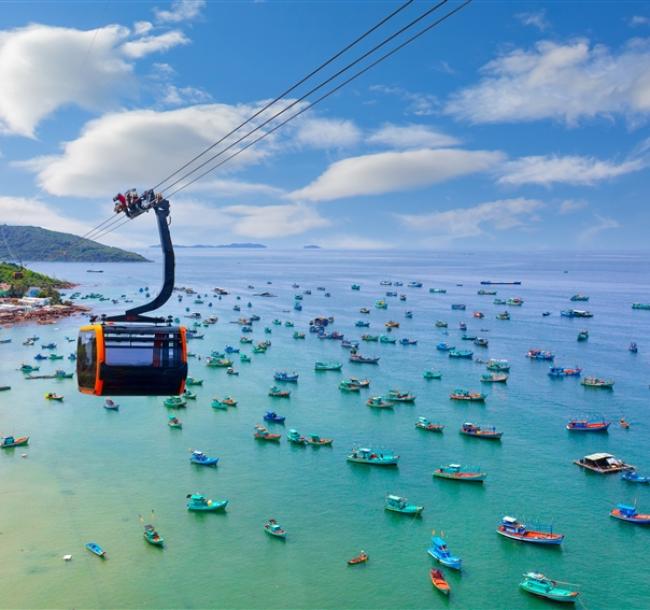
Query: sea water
[95,475]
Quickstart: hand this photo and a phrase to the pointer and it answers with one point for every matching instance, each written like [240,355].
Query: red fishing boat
[439,582]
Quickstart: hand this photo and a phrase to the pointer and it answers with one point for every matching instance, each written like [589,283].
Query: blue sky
[510,126]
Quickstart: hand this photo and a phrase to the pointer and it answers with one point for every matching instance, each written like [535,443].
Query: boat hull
[541,538]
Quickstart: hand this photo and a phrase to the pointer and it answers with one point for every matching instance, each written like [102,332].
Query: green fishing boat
[193,381]
[327,366]
[347,386]
[199,503]
[189,395]
[432,375]
[397,504]
[397,396]
[244,358]
[540,585]
[175,402]
[298,335]
[152,536]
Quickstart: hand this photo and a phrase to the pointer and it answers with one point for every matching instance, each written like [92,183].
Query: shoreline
[16,311]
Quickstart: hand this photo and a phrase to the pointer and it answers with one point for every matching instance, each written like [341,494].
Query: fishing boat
[576,313]
[373,457]
[645,306]
[317,441]
[298,335]
[587,425]
[398,504]
[481,342]
[623,423]
[387,339]
[198,457]
[407,341]
[286,377]
[424,424]
[198,502]
[189,395]
[456,472]
[346,344]
[28,368]
[362,557]
[272,416]
[381,304]
[13,441]
[541,586]
[597,382]
[432,375]
[632,476]
[327,366]
[5,388]
[49,346]
[370,338]
[441,324]
[218,363]
[359,359]
[391,324]
[439,582]
[364,310]
[262,434]
[362,383]
[53,396]
[356,287]
[559,371]
[379,402]
[216,403]
[484,292]
[245,340]
[276,392]
[538,354]
[174,422]
[398,396]
[603,463]
[444,347]
[439,551]
[494,378]
[111,405]
[437,290]
[175,402]
[347,386]
[408,314]
[499,365]
[504,315]
[458,306]
[152,536]
[466,395]
[294,437]
[628,513]
[468,337]
[460,353]
[95,549]
[272,527]
[479,315]
[40,357]
[579,297]
[490,433]
[515,301]
[633,348]
[515,530]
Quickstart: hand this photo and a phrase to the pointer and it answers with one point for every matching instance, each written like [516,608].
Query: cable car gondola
[132,354]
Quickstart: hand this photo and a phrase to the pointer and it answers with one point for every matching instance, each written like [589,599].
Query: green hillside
[21,278]
[37,244]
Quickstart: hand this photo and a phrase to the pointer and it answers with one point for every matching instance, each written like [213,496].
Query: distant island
[233,245]
[311,247]
[25,243]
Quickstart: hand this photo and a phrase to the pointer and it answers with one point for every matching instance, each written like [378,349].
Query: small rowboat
[624,512]
[362,557]
[439,582]
[634,477]
[152,536]
[53,396]
[272,528]
[110,405]
[94,548]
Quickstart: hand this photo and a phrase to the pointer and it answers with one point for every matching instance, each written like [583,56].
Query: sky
[509,126]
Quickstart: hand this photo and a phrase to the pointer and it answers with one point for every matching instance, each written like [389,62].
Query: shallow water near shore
[90,473]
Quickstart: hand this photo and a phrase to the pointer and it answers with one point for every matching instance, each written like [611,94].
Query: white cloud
[568,206]
[179,96]
[181,10]
[394,171]
[590,234]
[327,133]
[234,188]
[535,19]
[637,20]
[154,44]
[567,82]
[471,222]
[419,104]
[274,220]
[142,27]
[34,212]
[139,148]
[546,170]
[411,136]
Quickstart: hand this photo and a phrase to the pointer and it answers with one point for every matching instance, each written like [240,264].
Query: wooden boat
[596,382]
[494,378]
[152,536]
[559,371]
[193,381]
[53,396]
[198,502]
[276,392]
[424,424]
[294,437]
[515,530]
[13,441]
[189,395]
[286,377]
[583,335]
[603,463]
[5,388]
[371,457]
[500,366]
[111,405]
[198,457]
[397,396]
[262,434]
[95,549]
[362,557]
[327,366]
[272,416]
[272,527]
[229,401]
[540,585]
[359,359]
[362,383]
[407,341]
[400,505]
[439,551]
[632,476]
[378,402]
[174,422]
[218,404]
[317,441]
[538,354]
[456,472]
[624,512]
[586,425]
[391,324]
[175,402]
[466,395]
[432,375]
[439,582]
[470,429]
[460,353]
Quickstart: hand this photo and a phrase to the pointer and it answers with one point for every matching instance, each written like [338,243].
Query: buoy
[67,558]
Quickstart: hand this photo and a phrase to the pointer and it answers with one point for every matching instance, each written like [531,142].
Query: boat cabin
[603,463]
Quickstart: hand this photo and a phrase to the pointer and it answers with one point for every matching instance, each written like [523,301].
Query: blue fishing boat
[444,347]
[633,476]
[510,527]
[373,457]
[439,551]
[272,416]
[198,502]
[286,377]
[628,513]
[401,505]
[560,371]
[407,341]
[198,457]
[458,306]
[538,354]
[95,549]
[362,324]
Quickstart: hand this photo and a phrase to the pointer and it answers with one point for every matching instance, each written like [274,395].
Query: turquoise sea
[90,473]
